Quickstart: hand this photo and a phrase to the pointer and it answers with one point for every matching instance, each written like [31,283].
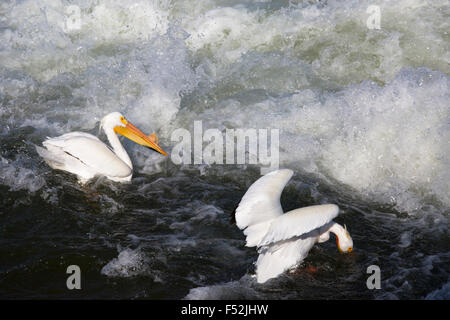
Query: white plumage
[86,156]
[284,240]
[299,221]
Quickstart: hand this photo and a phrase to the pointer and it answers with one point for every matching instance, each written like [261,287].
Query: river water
[363,118]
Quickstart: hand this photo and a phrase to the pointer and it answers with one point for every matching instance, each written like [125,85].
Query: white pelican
[284,240]
[86,156]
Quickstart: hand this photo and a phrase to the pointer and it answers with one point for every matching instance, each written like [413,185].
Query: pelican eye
[123,120]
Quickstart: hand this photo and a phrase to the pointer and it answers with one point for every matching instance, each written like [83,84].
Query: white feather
[299,221]
[261,203]
[256,232]
[277,258]
[283,239]
[84,155]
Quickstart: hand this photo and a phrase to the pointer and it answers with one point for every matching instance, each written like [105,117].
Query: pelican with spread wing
[284,240]
[84,155]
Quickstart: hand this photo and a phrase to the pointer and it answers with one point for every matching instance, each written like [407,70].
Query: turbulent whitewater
[364,120]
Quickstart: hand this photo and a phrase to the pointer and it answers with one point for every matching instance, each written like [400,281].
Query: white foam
[43,42]
[108,204]
[17,177]
[389,143]
[199,213]
[124,57]
[250,66]
[129,263]
[332,36]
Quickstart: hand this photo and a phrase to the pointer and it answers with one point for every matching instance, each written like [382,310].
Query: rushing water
[364,121]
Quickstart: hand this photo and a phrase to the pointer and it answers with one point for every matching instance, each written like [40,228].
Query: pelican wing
[299,221]
[261,204]
[279,257]
[88,150]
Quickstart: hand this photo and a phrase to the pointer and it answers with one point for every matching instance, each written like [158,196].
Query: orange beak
[136,135]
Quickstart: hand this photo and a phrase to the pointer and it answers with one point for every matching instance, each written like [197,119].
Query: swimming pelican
[284,240]
[86,156]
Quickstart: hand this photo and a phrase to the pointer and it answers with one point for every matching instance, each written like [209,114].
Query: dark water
[362,114]
[174,233]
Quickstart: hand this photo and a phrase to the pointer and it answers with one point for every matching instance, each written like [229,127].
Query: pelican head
[344,241]
[116,122]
